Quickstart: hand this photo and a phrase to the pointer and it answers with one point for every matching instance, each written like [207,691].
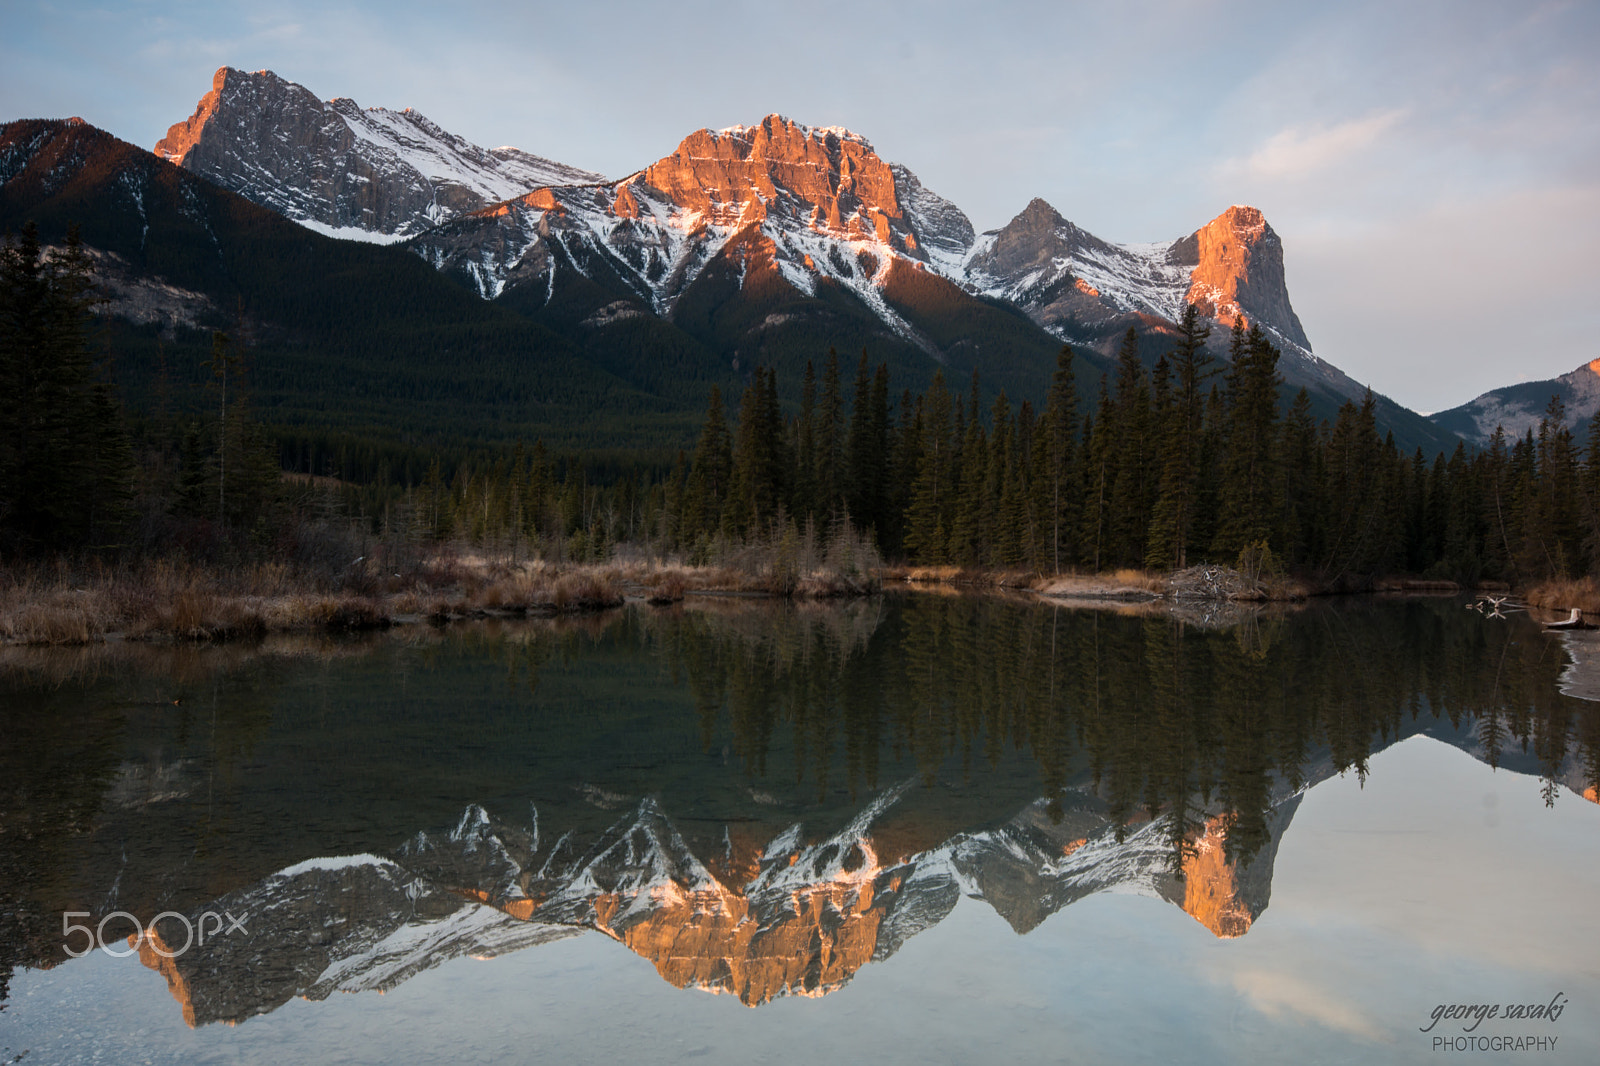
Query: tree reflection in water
[759,797]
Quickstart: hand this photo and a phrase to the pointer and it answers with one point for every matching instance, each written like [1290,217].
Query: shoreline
[172,602]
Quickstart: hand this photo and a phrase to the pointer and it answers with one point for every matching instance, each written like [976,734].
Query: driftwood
[1574,622]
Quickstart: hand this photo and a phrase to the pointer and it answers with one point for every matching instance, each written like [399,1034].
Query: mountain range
[602,310]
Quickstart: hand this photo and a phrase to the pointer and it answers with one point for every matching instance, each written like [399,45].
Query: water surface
[921,828]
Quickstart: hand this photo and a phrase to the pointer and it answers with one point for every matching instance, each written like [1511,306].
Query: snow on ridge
[1137,278]
[1134,277]
[812,132]
[333,864]
[417,142]
[350,233]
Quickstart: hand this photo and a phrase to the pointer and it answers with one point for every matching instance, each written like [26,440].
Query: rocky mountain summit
[807,203]
[1089,291]
[342,169]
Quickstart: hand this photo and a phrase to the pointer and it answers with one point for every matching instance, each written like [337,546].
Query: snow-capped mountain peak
[342,169]
[807,202]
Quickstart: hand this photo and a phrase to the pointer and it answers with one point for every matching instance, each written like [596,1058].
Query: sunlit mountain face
[758,800]
[757,244]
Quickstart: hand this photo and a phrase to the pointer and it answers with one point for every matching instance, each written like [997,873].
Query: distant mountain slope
[343,335]
[369,173]
[1518,408]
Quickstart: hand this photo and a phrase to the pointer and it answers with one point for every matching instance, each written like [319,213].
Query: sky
[1432,167]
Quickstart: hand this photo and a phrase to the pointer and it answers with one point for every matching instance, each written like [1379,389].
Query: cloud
[1304,150]
[1276,993]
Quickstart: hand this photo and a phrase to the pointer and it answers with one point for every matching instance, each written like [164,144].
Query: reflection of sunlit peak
[1591,793]
[156,955]
[1211,887]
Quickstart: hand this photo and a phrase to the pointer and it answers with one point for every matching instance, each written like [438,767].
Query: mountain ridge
[1519,408]
[344,170]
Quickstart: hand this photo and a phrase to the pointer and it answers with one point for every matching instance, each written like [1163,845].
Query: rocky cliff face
[806,203]
[1088,292]
[1073,283]
[341,168]
[1238,272]
[814,204]
[1081,287]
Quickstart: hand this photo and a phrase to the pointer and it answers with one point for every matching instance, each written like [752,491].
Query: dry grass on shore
[1565,594]
[960,576]
[62,603]
[1117,584]
[168,600]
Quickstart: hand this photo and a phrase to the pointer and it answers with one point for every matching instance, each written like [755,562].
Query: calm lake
[915,828]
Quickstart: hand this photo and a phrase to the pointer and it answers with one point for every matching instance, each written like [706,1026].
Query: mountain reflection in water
[759,799]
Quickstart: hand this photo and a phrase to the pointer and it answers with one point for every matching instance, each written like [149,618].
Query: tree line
[1193,459]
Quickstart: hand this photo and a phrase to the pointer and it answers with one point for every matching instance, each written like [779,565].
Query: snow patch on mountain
[350,233]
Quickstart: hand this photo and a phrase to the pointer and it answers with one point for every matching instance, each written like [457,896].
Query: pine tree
[706,492]
[967,543]
[1128,506]
[1499,556]
[907,457]
[222,363]
[65,466]
[927,523]
[540,487]
[1590,495]
[191,497]
[1059,485]
[876,511]
[757,492]
[805,450]
[1301,518]
[1251,440]
[1161,548]
[830,460]
[1173,514]
[1557,521]
[1098,474]
[863,459]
